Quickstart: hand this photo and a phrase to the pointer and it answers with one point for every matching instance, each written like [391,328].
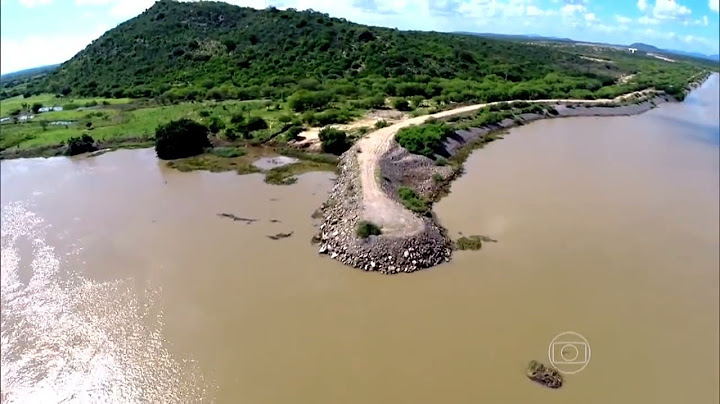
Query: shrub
[256,123]
[204,113]
[334,141]
[293,132]
[36,107]
[82,144]
[181,138]
[366,229]
[426,140]
[437,178]
[304,100]
[401,104]
[285,118]
[412,200]
[381,124]
[231,135]
[216,125]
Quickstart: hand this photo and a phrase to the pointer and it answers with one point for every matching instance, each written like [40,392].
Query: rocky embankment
[339,219]
[407,252]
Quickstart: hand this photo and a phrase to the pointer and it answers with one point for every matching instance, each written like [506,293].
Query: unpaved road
[378,208]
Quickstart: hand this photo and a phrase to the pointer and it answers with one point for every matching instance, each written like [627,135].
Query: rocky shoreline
[339,218]
[340,214]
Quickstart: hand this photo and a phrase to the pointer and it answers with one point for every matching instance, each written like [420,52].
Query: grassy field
[122,119]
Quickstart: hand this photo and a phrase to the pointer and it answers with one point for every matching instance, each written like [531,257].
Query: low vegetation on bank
[366,229]
[411,200]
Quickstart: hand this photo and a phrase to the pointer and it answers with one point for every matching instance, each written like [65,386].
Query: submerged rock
[544,375]
[280,235]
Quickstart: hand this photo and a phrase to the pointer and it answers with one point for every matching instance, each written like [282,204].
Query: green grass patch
[302,155]
[213,163]
[227,152]
[366,229]
[287,175]
[411,200]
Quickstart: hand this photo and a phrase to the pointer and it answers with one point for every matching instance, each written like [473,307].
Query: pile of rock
[386,254]
[544,375]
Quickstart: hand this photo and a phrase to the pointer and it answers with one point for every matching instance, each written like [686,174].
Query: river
[120,282]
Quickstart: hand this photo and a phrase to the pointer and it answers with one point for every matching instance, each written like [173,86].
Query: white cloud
[622,19]
[34,3]
[670,10]
[40,50]
[642,5]
[534,11]
[714,5]
[705,20]
[590,17]
[645,20]
[572,9]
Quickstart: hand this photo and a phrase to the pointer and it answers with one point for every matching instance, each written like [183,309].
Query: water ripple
[68,339]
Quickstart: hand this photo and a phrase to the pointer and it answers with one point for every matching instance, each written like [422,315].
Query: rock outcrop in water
[544,375]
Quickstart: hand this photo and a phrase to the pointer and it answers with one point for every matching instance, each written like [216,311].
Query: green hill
[216,50]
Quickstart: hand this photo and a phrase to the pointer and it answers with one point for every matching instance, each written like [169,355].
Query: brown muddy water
[120,282]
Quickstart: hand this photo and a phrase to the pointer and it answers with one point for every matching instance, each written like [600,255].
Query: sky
[41,32]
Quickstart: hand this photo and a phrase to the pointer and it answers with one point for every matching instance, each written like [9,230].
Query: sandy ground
[377,206]
[311,141]
[661,57]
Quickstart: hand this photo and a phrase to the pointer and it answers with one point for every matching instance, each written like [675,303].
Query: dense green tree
[181,138]
[334,141]
[82,144]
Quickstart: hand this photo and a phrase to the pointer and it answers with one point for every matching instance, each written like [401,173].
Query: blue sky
[40,32]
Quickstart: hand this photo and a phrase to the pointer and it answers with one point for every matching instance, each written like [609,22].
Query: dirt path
[377,206]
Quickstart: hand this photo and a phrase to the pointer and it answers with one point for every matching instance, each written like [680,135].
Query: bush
[256,123]
[366,229]
[204,113]
[216,125]
[381,124]
[334,141]
[231,135]
[412,200]
[426,140]
[304,100]
[329,117]
[401,104]
[36,107]
[293,132]
[181,138]
[82,144]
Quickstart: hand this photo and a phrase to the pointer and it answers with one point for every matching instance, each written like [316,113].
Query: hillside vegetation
[187,51]
[261,76]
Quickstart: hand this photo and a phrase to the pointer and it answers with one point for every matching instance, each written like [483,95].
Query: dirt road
[378,208]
